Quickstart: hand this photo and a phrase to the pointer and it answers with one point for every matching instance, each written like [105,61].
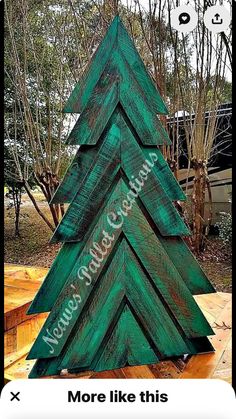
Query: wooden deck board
[20,286]
[216,307]
[203,366]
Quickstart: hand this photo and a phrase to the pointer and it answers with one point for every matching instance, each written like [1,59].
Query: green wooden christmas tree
[120,290]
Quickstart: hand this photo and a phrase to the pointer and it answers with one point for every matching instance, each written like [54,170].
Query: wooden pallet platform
[216,308]
[20,285]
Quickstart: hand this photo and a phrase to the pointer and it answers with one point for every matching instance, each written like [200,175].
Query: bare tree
[195,88]
[37,41]
[203,96]
[43,64]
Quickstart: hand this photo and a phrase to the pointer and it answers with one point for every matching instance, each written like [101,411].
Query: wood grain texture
[94,118]
[206,366]
[93,189]
[20,286]
[16,365]
[118,292]
[173,291]
[151,193]
[136,104]
[118,85]
[116,39]
[187,265]
[134,345]
[86,157]
[60,269]
[84,259]
[74,176]
[131,55]
[119,147]
[124,278]
[165,175]
[178,252]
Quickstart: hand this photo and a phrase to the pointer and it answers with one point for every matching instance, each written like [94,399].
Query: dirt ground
[33,247]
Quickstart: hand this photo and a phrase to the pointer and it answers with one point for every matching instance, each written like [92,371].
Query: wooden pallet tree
[120,291]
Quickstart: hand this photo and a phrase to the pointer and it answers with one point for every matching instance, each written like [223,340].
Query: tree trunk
[17,222]
[49,182]
[27,188]
[210,216]
[198,200]
[16,193]
[173,166]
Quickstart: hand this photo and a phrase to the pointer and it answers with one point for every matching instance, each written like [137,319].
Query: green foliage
[51,49]
[225,227]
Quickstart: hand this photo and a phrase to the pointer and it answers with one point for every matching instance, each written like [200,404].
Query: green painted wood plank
[187,266]
[119,144]
[90,195]
[118,84]
[79,97]
[167,279]
[145,244]
[124,273]
[45,367]
[183,259]
[94,118]
[68,257]
[85,158]
[174,292]
[150,311]
[178,252]
[128,49]
[56,278]
[136,105]
[166,178]
[40,349]
[133,345]
[74,176]
[97,316]
[151,192]
[115,353]
[64,262]
[139,348]
[116,39]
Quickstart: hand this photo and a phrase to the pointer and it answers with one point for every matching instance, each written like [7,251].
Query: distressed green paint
[61,268]
[188,267]
[97,322]
[115,40]
[74,176]
[137,308]
[96,115]
[152,194]
[148,249]
[165,175]
[131,55]
[125,335]
[119,146]
[117,85]
[91,194]
[86,157]
[65,296]
[82,91]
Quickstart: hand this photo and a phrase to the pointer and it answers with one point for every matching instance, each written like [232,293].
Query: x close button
[15,396]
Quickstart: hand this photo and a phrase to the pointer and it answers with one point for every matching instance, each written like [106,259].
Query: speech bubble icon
[184,18]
